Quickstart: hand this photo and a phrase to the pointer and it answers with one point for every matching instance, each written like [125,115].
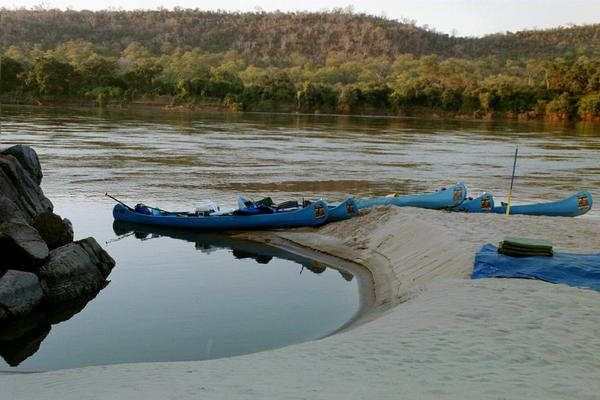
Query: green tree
[589,105]
[351,98]
[52,77]
[562,105]
[10,74]
[316,98]
[143,76]
[278,86]
[377,95]
[222,83]
[16,53]
[96,69]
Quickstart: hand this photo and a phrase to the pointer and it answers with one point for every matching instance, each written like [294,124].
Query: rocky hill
[257,35]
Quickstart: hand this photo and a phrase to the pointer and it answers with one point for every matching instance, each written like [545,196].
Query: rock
[20,292]
[69,273]
[28,159]
[21,245]
[4,314]
[17,185]
[98,255]
[9,211]
[53,229]
[63,276]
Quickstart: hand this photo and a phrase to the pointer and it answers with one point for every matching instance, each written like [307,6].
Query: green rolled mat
[527,243]
[523,247]
[520,252]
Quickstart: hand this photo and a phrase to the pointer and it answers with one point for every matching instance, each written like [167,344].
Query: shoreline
[433,114]
[432,331]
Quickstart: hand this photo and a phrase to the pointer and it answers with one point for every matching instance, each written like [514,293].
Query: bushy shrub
[589,105]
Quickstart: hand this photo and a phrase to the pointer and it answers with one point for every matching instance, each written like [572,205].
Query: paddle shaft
[512,179]
[118,201]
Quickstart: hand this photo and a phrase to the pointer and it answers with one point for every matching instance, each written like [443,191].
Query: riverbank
[168,103]
[432,333]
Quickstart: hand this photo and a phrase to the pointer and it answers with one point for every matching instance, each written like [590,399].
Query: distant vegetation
[336,61]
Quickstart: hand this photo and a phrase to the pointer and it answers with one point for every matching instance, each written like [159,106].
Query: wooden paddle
[119,201]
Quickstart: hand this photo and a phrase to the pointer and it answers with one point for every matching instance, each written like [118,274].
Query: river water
[173,298]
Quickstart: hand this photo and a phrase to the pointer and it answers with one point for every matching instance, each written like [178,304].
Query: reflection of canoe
[445,198]
[205,241]
[573,206]
[314,214]
[483,203]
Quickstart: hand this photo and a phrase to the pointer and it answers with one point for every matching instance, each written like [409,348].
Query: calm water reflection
[176,295]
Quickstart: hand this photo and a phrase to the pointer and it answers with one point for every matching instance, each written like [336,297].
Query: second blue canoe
[444,199]
[572,206]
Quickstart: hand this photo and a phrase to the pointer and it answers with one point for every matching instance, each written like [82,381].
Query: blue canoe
[336,211]
[444,199]
[312,215]
[344,210]
[578,204]
[483,203]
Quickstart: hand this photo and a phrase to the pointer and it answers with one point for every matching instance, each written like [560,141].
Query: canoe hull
[578,204]
[344,210]
[444,199]
[483,203]
[312,215]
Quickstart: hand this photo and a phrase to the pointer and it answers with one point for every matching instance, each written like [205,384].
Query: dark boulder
[20,292]
[4,314]
[28,159]
[21,246]
[98,255]
[53,229]
[69,273]
[9,211]
[17,185]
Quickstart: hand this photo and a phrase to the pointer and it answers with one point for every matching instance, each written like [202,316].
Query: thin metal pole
[512,180]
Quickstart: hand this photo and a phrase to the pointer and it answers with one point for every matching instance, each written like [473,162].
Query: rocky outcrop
[21,246]
[20,292]
[20,187]
[28,159]
[55,230]
[41,267]
[69,273]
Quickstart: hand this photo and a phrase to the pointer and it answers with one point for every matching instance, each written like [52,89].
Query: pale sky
[461,17]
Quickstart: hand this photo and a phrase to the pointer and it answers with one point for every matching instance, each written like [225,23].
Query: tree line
[344,80]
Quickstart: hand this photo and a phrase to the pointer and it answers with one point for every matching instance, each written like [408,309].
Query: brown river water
[178,158]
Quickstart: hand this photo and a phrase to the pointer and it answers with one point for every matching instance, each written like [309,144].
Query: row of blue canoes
[320,212]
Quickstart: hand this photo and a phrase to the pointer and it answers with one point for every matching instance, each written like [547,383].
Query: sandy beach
[426,330]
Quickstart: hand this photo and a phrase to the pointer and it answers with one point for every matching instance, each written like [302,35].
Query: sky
[454,17]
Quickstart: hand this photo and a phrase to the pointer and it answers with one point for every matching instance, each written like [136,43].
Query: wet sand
[427,332]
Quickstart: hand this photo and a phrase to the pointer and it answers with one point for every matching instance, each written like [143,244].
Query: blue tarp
[572,269]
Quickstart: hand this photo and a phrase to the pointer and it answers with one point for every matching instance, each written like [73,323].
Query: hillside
[277,35]
[337,61]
